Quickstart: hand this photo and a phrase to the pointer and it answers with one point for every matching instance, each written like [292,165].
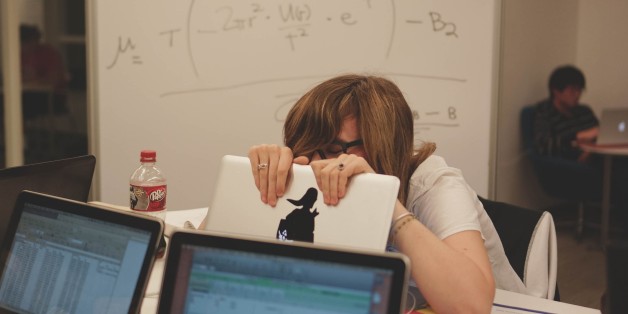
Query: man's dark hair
[564,76]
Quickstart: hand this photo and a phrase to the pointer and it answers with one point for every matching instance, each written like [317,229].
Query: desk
[608,153]
[505,301]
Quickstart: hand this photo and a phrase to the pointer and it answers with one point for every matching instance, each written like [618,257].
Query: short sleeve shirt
[443,201]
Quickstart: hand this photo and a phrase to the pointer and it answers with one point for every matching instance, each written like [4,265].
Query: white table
[505,301]
[176,219]
[608,153]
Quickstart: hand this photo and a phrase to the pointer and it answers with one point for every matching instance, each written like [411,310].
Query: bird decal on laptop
[299,224]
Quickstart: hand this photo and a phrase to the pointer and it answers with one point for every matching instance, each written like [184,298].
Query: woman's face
[348,141]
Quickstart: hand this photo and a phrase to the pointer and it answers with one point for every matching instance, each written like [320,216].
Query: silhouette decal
[299,224]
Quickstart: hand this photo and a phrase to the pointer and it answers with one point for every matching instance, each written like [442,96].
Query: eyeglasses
[337,147]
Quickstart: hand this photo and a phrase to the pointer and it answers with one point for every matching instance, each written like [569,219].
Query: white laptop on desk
[613,128]
[360,220]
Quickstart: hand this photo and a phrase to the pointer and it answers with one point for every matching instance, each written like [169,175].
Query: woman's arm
[454,274]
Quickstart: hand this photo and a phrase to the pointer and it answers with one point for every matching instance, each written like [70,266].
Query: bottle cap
[148,156]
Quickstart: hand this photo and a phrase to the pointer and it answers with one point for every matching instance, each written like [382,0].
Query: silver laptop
[63,256]
[613,128]
[210,273]
[361,219]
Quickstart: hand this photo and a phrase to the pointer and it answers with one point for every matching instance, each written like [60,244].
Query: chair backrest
[529,240]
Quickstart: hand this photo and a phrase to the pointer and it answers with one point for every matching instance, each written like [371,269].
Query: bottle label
[148,198]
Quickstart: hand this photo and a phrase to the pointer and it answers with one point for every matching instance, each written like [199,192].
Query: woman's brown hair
[384,120]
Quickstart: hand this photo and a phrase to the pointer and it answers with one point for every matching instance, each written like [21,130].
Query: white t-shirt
[442,200]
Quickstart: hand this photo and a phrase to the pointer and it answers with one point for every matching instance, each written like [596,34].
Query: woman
[355,124]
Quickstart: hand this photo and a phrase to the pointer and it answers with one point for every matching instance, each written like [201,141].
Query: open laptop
[63,256]
[211,273]
[360,220]
[613,128]
[68,178]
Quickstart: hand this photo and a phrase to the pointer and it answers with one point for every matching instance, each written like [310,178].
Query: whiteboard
[199,79]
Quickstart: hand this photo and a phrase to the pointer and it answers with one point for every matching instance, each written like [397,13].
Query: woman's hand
[271,165]
[332,175]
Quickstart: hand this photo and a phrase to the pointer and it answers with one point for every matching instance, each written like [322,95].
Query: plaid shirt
[555,133]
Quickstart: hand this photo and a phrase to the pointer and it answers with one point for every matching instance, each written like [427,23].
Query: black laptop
[63,256]
[208,273]
[68,178]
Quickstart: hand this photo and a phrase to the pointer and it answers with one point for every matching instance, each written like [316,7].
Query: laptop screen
[225,280]
[62,262]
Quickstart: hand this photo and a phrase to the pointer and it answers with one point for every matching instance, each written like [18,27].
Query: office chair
[560,178]
[529,240]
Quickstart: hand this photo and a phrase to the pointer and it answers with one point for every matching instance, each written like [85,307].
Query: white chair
[529,241]
[541,263]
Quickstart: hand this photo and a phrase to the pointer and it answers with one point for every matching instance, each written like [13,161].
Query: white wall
[603,51]
[537,36]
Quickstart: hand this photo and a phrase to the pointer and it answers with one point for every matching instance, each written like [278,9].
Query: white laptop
[613,128]
[360,220]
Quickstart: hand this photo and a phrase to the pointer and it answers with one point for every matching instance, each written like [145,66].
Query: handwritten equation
[426,120]
[294,23]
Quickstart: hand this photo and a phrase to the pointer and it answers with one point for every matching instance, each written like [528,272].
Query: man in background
[561,122]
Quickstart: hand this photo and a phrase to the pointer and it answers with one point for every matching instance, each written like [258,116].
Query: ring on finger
[262,166]
[341,166]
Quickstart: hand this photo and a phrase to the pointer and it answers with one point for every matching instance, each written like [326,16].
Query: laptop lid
[63,256]
[360,220]
[68,178]
[211,273]
[613,127]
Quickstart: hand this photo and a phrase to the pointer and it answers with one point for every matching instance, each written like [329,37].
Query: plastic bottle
[148,187]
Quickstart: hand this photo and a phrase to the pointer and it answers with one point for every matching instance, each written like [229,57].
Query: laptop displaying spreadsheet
[360,220]
[211,273]
[63,256]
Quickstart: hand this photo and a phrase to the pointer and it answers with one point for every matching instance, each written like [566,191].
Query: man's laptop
[210,273]
[68,178]
[63,256]
[360,220]
[613,128]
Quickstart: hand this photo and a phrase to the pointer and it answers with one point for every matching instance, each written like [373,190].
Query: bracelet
[396,220]
[404,221]
[399,223]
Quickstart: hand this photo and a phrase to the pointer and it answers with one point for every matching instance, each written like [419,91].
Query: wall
[602,50]
[537,35]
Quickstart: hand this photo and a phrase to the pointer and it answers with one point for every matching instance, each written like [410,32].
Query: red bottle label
[148,198]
